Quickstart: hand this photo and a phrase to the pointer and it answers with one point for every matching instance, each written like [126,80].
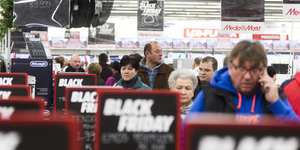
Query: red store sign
[267,37]
[204,33]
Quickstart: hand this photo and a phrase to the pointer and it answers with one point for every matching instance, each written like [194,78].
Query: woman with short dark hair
[129,68]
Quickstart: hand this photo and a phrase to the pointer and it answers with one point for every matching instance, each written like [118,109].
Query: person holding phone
[237,88]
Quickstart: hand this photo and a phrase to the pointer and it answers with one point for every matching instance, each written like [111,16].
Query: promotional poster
[35,45]
[54,13]
[150,15]
[246,16]
[138,120]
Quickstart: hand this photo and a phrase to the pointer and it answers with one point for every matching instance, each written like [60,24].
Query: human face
[185,87]
[75,62]
[246,83]
[206,72]
[127,72]
[155,57]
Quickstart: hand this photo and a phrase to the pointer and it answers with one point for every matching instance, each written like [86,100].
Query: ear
[229,69]
[147,53]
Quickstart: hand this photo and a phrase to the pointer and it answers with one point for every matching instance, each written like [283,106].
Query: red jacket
[292,89]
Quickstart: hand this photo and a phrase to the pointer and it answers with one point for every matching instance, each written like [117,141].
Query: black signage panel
[35,45]
[138,120]
[13,79]
[51,13]
[215,134]
[150,15]
[69,80]
[38,135]
[14,90]
[83,101]
[15,105]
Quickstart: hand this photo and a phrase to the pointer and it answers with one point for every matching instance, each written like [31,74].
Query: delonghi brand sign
[38,63]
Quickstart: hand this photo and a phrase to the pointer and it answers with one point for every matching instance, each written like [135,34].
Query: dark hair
[138,56]
[95,68]
[60,60]
[103,58]
[249,51]
[271,71]
[115,65]
[198,60]
[211,59]
[130,60]
[226,60]
[148,47]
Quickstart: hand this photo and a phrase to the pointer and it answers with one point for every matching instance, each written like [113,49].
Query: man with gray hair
[74,64]
[237,89]
[183,81]
[153,71]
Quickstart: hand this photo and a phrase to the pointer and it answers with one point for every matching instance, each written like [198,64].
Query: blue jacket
[138,84]
[221,79]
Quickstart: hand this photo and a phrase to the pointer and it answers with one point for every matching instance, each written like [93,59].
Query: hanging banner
[45,42]
[69,80]
[246,16]
[150,15]
[42,13]
[291,9]
[102,37]
[138,120]
[35,46]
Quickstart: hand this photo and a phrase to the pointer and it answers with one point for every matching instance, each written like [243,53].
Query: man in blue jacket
[238,89]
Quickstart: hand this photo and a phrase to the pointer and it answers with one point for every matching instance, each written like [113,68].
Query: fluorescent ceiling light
[274,8]
[130,12]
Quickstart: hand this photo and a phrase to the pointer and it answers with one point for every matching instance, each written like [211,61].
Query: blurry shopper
[271,72]
[60,60]
[196,64]
[291,88]
[207,69]
[153,71]
[138,56]
[106,70]
[129,68]
[115,66]
[183,81]
[95,68]
[74,64]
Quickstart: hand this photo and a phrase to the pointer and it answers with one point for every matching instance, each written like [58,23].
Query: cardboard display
[13,79]
[35,45]
[224,132]
[14,90]
[36,134]
[138,120]
[83,101]
[61,81]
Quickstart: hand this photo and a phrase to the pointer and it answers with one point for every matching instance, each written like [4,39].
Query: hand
[270,89]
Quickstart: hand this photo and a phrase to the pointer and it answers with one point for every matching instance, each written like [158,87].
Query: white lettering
[89,107]
[80,96]
[70,82]
[6,81]
[9,140]
[6,112]
[5,94]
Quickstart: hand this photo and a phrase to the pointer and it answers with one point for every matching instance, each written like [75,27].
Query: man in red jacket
[291,88]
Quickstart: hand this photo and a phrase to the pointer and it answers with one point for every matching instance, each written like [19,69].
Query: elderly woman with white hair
[183,81]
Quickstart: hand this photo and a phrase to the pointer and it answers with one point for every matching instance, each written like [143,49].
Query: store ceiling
[193,9]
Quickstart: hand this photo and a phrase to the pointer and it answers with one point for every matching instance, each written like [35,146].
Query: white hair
[182,73]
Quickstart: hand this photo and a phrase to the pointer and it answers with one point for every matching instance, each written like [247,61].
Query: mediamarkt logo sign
[293,12]
[242,28]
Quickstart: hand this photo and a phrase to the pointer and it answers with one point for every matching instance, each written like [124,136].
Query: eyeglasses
[204,70]
[243,70]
